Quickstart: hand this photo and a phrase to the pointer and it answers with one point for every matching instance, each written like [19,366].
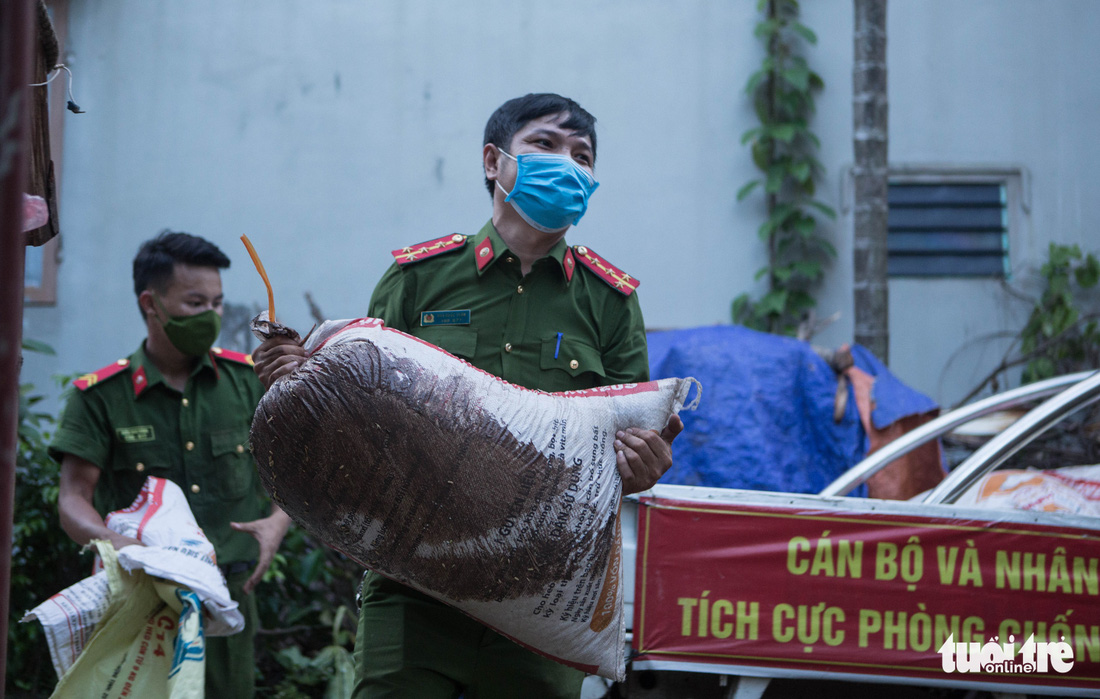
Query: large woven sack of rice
[498,500]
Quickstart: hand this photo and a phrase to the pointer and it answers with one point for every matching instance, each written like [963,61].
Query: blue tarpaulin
[766,418]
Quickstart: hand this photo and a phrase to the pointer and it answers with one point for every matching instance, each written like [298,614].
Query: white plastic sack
[175,549]
[1072,489]
[149,642]
[70,617]
[498,500]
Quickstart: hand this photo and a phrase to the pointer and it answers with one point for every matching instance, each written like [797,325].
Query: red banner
[934,600]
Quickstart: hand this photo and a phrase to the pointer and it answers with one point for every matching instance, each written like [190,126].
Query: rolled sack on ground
[498,500]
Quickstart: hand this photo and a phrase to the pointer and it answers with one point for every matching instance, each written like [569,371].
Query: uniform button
[240,448]
[508,347]
[458,238]
[574,364]
[189,446]
[582,250]
[123,362]
[195,488]
[140,467]
[519,290]
[510,260]
[186,402]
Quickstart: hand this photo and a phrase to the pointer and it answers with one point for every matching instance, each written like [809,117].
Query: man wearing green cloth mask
[180,409]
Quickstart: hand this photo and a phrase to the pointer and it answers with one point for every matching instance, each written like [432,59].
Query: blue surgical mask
[551,191]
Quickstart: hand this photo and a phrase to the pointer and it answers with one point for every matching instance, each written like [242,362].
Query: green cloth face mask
[192,335]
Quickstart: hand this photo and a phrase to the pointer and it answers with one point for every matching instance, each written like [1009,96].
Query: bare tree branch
[314,309]
[1039,351]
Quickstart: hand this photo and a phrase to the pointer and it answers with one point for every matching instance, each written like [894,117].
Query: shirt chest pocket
[233,474]
[459,340]
[569,365]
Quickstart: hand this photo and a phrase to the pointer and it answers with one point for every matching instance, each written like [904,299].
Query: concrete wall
[333,131]
[1003,83]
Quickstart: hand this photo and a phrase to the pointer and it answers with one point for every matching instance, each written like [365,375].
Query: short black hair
[514,114]
[156,259]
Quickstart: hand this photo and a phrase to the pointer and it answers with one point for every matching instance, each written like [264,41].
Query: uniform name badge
[138,433]
[429,318]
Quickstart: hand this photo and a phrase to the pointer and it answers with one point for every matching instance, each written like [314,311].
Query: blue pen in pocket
[557,346]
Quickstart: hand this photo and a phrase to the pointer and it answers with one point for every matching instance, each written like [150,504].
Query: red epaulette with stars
[603,269]
[422,251]
[88,380]
[230,355]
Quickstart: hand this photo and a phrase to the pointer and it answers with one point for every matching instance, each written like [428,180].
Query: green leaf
[1058,286]
[761,154]
[342,683]
[809,269]
[291,657]
[1043,367]
[765,230]
[804,31]
[776,176]
[741,309]
[827,210]
[801,171]
[762,108]
[1088,273]
[311,566]
[751,134]
[805,226]
[766,29]
[799,78]
[815,164]
[783,132]
[754,81]
[800,302]
[773,302]
[783,213]
[1067,253]
[38,346]
[747,189]
[1069,318]
[784,273]
[760,273]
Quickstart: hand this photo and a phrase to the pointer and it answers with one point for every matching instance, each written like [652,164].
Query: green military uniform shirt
[557,329]
[572,323]
[131,424]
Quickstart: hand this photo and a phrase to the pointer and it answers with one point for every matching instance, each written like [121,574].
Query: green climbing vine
[1062,333]
[784,149]
[1058,339]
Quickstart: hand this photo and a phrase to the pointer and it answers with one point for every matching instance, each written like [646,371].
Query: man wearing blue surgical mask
[517,302]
